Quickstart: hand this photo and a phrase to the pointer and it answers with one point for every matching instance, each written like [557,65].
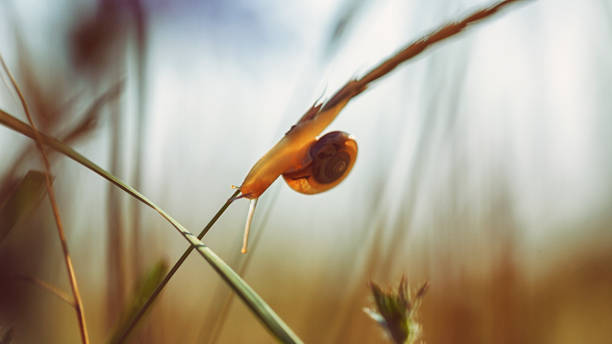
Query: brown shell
[331,159]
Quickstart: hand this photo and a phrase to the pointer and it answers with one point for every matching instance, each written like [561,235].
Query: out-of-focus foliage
[21,201]
[6,336]
[144,287]
[484,166]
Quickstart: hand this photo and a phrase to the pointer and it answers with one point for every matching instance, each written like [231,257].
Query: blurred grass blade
[125,331]
[91,116]
[48,287]
[349,10]
[144,289]
[28,194]
[263,312]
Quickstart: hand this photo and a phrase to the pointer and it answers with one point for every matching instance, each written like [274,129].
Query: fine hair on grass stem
[172,271]
[78,303]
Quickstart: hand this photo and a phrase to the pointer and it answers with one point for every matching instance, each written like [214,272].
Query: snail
[328,161]
[309,164]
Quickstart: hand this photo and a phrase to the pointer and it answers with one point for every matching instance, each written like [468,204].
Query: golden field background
[484,167]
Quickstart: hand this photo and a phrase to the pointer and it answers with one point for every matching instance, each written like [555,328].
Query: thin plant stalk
[350,90]
[172,271]
[78,303]
[222,315]
[356,86]
[48,287]
[140,28]
[115,255]
[256,304]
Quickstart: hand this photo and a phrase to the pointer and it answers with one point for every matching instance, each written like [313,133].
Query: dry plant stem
[77,132]
[284,156]
[172,271]
[355,87]
[78,304]
[140,28]
[50,288]
[222,315]
[115,254]
[255,303]
[350,90]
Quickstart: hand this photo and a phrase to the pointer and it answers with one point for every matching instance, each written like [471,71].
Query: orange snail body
[308,164]
[292,156]
[287,153]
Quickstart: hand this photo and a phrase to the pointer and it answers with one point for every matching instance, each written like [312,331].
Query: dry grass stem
[78,304]
[50,288]
[172,271]
[262,311]
[356,86]
[255,303]
[220,317]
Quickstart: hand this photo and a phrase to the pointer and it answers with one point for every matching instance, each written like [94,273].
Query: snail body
[292,152]
[308,164]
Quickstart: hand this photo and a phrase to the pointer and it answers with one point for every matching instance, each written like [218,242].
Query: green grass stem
[172,271]
[255,303]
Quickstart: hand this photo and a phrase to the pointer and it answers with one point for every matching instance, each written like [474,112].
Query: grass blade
[28,194]
[126,331]
[145,287]
[78,303]
[48,287]
[267,316]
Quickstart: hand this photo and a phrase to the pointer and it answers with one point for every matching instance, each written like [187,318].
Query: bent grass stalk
[348,91]
[121,337]
[223,314]
[355,87]
[255,303]
[78,303]
[48,287]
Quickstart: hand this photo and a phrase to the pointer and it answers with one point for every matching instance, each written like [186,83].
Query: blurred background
[484,167]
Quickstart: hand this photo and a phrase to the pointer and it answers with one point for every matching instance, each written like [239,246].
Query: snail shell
[329,160]
[291,153]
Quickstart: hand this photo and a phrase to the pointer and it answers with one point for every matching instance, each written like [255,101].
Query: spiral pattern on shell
[329,161]
[330,167]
